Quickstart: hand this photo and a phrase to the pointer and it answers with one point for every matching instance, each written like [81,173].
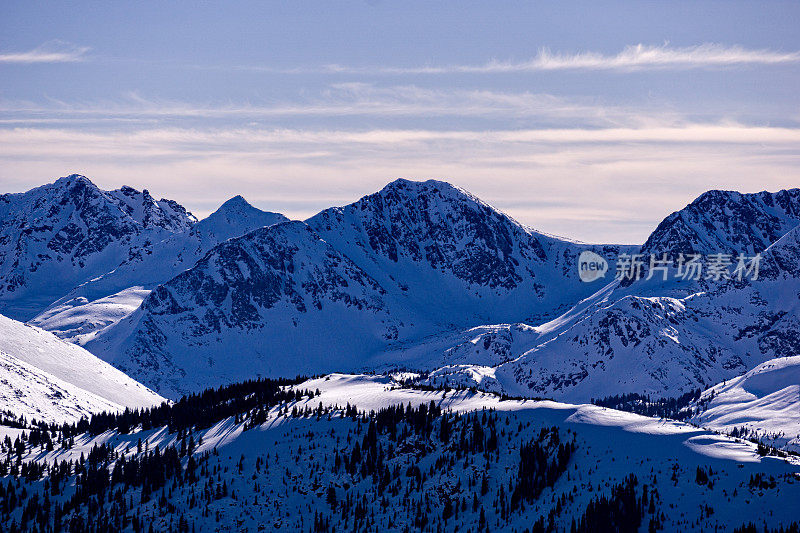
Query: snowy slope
[60,235]
[279,474]
[46,378]
[765,402]
[29,392]
[78,320]
[481,345]
[79,315]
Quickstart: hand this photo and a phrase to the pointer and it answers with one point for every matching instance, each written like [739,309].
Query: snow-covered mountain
[413,260]
[60,235]
[51,380]
[763,404]
[179,252]
[667,338]
[277,301]
[424,276]
[88,308]
[455,259]
[727,222]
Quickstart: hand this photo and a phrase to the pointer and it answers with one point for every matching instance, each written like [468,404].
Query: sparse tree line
[642,404]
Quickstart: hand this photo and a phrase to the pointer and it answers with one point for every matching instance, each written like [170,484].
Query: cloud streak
[297,143]
[387,104]
[50,52]
[632,58]
[586,183]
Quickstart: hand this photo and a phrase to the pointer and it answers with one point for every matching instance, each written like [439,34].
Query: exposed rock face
[727,222]
[442,247]
[60,235]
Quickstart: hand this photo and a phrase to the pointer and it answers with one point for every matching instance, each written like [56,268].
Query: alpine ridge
[95,304]
[60,235]
[413,260]
[433,242]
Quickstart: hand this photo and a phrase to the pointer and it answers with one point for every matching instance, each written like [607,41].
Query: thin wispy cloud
[335,100]
[641,172]
[346,100]
[153,141]
[49,52]
[635,57]
[631,58]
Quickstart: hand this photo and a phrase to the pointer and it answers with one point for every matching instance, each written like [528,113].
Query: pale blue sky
[590,120]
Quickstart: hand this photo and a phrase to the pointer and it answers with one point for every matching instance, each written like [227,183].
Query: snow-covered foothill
[46,378]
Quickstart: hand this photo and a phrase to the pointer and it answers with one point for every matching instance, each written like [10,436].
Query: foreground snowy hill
[84,311]
[663,338]
[764,403]
[60,235]
[51,380]
[365,454]
[413,260]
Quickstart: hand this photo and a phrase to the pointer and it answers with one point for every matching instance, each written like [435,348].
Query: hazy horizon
[585,121]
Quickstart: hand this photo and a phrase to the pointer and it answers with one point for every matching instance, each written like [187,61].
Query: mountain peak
[62,234]
[405,182]
[422,187]
[74,178]
[235,217]
[73,184]
[727,221]
[238,206]
[786,200]
[235,204]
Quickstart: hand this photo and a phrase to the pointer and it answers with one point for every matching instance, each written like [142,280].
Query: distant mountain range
[419,276]
[668,337]
[333,293]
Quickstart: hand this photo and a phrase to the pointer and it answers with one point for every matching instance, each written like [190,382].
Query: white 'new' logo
[591,266]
